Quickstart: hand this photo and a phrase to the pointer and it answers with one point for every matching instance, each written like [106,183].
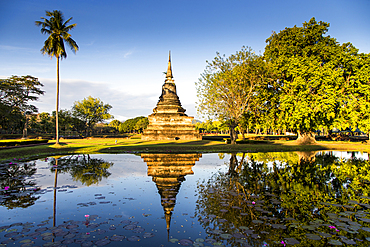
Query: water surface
[262,199]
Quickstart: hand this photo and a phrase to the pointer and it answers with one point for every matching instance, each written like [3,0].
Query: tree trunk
[306,138]
[57,107]
[25,128]
[242,131]
[233,136]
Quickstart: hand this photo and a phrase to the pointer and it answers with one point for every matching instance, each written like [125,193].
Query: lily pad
[72,226]
[313,236]
[349,241]
[257,221]
[130,227]
[26,241]
[100,231]
[210,241]
[238,235]
[218,244]
[69,236]
[117,238]
[133,238]
[102,242]
[7,241]
[87,244]
[174,240]
[325,235]
[12,234]
[334,242]
[186,242]
[148,235]
[217,231]
[365,220]
[291,241]
[138,230]
[226,236]
[278,226]
[367,229]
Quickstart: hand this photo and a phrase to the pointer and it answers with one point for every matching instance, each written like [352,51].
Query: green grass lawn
[124,145]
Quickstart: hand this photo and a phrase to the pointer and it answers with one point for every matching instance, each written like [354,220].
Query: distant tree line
[17,115]
[133,125]
[304,82]
[86,117]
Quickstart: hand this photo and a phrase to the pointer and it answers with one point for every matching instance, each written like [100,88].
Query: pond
[244,199]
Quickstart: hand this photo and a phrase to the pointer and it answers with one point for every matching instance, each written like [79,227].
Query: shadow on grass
[39,151]
[207,146]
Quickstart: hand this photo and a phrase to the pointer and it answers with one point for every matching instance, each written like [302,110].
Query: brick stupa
[168,120]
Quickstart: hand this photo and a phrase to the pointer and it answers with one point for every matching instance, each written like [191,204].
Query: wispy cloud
[15,48]
[128,53]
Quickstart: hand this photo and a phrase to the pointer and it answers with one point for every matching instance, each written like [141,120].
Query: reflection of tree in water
[258,202]
[83,168]
[17,189]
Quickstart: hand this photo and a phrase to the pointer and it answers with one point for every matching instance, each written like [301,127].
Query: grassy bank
[101,145]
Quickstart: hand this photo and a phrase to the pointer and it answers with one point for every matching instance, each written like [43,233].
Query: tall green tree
[141,124]
[314,78]
[134,124]
[58,31]
[91,111]
[15,94]
[115,124]
[355,93]
[229,85]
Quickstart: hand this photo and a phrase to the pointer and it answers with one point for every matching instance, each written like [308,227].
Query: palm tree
[57,30]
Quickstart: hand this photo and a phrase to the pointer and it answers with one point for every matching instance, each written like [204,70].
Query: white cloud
[12,48]
[124,105]
[128,53]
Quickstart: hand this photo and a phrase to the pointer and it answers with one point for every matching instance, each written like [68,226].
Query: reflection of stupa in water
[168,171]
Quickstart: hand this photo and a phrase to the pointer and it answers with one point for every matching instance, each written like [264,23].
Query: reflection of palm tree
[55,191]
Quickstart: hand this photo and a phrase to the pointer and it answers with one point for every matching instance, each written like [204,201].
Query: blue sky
[124,45]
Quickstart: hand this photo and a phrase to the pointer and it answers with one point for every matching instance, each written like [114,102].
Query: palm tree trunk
[57,106]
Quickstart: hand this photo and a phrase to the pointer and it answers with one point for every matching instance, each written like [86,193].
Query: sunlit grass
[125,145]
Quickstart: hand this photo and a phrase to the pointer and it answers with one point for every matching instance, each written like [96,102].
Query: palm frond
[57,29]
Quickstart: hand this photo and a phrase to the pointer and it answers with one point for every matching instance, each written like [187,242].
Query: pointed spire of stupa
[169,69]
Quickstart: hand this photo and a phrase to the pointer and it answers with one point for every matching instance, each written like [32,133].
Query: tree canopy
[134,124]
[228,87]
[305,81]
[315,77]
[91,111]
[15,94]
